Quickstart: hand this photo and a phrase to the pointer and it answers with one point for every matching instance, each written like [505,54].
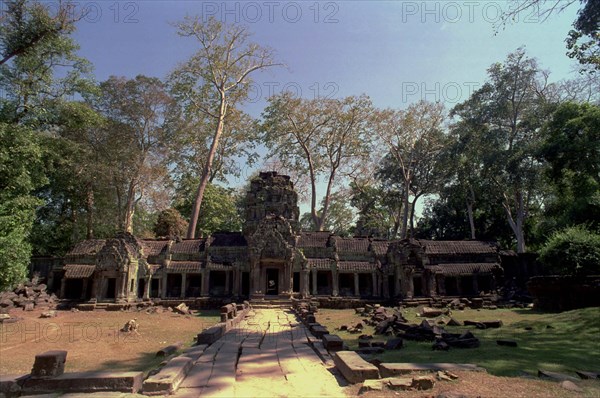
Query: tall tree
[136,111]
[214,79]
[505,116]
[414,140]
[325,138]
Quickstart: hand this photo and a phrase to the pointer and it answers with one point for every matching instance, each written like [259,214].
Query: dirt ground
[93,339]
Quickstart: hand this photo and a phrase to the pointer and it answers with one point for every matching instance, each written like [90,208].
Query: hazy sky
[397,52]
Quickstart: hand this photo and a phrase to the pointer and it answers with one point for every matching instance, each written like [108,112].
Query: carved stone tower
[271,194]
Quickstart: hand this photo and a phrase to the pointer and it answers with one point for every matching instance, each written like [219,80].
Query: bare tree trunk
[129,208]
[518,224]
[405,205]
[470,202]
[412,215]
[89,208]
[191,233]
[326,201]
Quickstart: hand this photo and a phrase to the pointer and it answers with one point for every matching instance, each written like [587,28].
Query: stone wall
[563,293]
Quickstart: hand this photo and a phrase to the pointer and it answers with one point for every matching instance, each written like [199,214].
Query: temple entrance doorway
[272,281]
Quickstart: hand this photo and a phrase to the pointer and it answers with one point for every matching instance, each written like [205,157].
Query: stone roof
[380,247]
[76,271]
[154,247]
[456,246]
[356,266]
[319,263]
[463,269]
[189,246]
[228,239]
[313,239]
[184,266]
[219,266]
[87,247]
[352,245]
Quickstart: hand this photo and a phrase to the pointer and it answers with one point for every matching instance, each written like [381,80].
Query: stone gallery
[273,258]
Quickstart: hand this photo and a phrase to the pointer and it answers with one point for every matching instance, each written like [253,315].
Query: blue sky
[397,52]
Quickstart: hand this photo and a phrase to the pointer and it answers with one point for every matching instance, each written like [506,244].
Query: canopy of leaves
[572,251]
[170,223]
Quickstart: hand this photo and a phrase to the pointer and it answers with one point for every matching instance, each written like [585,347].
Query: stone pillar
[410,286]
[147,285]
[183,281]
[205,280]
[356,285]
[122,286]
[314,281]
[397,285]
[431,285]
[304,283]
[335,275]
[227,281]
[475,284]
[95,289]
[386,286]
[163,285]
[374,280]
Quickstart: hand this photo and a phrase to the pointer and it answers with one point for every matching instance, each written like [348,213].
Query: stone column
[122,286]
[356,285]
[205,280]
[385,286]
[227,281]
[147,285]
[163,285]
[183,281]
[397,284]
[374,280]
[304,283]
[475,284]
[314,280]
[431,284]
[335,275]
[95,290]
[410,289]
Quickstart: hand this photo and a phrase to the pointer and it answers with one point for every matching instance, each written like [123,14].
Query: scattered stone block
[454,322]
[85,382]
[429,312]
[354,368]
[182,309]
[507,343]
[371,350]
[423,382]
[555,376]
[398,383]
[371,385]
[49,364]
[569,385]
[319,331]
[168,350]
[587,375]
[333,342]
[394,344]
[211,334]
[168,379]
[48,314]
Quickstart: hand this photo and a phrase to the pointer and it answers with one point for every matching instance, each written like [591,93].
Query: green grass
[573,342]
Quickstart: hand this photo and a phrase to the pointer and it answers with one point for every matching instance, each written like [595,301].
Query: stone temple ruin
[273,258]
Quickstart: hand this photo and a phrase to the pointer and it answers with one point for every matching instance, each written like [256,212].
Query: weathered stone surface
[569,385]
[319,331]
[168,379]
[587,375]
[423,382]
[354,368]
[86,382]
[454,322]
[392,369]
[371,385]
[49,364]
[333,342]
[182,309]
[394,344]
[211,334]
[371,350]
[428,312]
[168,350]
[555,376]
[195,352]
[10,385]
[399,383]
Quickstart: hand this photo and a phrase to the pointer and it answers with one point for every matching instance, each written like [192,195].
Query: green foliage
[219,211]
[583,42]
[170,223]
[21,171]
[572,251]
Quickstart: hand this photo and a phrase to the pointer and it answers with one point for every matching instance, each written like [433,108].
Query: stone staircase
[271,303]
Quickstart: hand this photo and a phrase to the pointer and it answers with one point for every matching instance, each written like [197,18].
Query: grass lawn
[93,341]
[572,343]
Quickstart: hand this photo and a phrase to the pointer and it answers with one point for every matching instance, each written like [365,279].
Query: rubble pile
[28,295]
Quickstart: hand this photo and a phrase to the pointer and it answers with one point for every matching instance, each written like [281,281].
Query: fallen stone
[371,350]
[48,314]
[168,350]
[333,342]
[440,346]
[445,376]
[396,369]
[182,309]
[168,379]
[556,376]
[507,343]
[423,382]
[49,364]
[587,375]
[429,312]
[28,307]
[354,368]
[371,385]
[569,385]
[394,344]
[397,383]
[85,382]
[454,322]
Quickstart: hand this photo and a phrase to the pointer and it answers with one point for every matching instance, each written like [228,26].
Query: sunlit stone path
[267,355]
